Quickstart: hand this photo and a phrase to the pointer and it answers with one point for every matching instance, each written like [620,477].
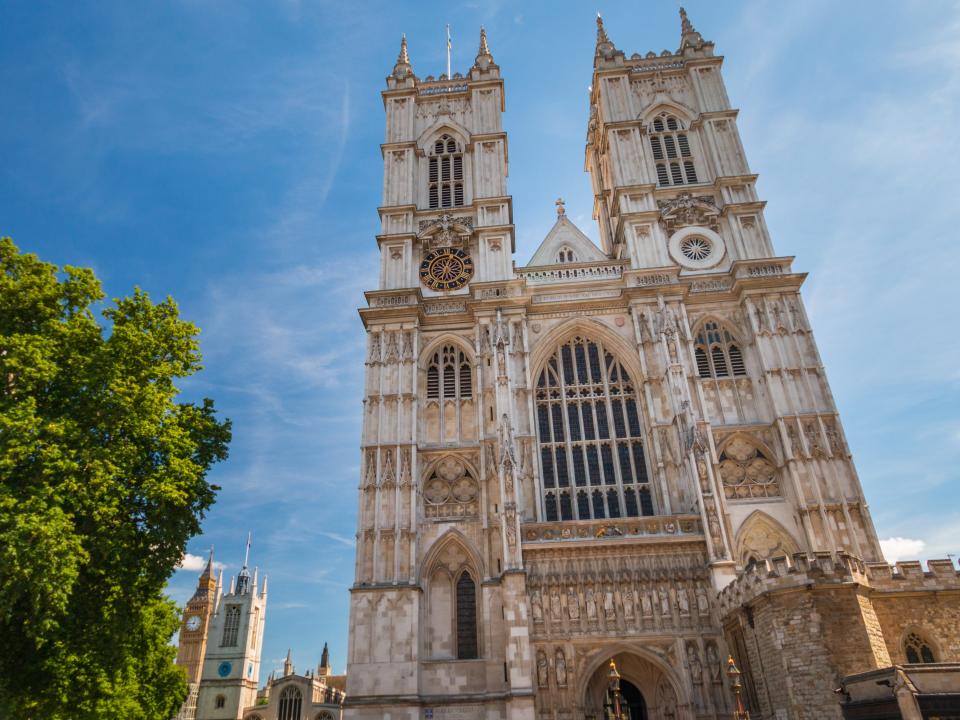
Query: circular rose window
[696,248]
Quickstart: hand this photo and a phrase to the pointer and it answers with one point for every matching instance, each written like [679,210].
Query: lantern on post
[613,685]
[733,672]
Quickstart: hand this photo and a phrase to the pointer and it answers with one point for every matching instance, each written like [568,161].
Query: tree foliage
[102,482]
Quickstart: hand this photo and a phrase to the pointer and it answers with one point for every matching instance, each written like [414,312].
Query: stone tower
[193,635]
[231,666]
[562,463]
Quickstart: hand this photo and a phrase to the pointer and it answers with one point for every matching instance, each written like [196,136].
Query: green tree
[102,482]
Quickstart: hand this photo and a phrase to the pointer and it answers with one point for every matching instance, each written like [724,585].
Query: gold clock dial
[446,269]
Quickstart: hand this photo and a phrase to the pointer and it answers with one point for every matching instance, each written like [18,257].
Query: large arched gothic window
[466,617]
[445,180]
[449,413]
[671,151]
[591,443]
[291,704]
[718,354]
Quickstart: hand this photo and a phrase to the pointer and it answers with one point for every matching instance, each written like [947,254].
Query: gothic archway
[649,687]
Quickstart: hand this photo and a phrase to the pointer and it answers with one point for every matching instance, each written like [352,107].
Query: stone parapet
[805,569]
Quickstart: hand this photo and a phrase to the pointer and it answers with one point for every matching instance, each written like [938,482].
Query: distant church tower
[193,635]
[564,462]
[231,667]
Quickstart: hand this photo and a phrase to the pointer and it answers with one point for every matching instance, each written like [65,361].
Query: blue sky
[227,154]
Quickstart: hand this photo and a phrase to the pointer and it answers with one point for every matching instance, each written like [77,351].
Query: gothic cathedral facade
[582,458]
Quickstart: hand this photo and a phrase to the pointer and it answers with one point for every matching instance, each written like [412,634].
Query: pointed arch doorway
[648,689]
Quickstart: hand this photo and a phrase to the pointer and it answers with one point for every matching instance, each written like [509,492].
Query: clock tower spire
[193,635]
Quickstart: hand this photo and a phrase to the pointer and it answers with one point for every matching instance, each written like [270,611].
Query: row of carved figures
[609,601]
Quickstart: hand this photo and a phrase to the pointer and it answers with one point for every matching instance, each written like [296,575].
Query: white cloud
[901,548]
[196,563]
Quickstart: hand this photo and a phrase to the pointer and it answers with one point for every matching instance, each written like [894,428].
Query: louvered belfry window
[231,626]
[591,443]
[466,617]
[717,352]
[445,174]
[670,147]
[449,375]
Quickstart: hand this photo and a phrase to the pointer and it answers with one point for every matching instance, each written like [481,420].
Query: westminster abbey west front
[624,452]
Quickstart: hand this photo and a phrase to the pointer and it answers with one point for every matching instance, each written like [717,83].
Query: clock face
[193,623]
[446,269]
[224,668]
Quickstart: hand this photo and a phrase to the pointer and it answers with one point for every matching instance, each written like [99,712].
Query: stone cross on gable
[560,209]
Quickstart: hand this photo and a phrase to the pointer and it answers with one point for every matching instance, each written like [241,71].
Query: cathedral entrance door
[632,705]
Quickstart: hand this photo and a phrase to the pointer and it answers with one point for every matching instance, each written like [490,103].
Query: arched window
[220,702]
[591,443]
[466,617]
[324,716]
[717,352]
[445,182]
[671,151]
[291,703]
[917,649]
[453,367]
[231,626]
[566,255]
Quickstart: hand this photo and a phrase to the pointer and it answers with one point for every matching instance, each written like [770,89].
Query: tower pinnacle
[288,664]
[403,68]
[689,37]
[605,48]
[484,56]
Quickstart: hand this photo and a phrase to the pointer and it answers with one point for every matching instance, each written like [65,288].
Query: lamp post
[614,684]
[734,674]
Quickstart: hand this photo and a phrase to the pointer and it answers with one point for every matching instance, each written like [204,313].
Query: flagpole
[448,51]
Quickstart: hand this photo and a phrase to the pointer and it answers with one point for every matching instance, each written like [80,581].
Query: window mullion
[566,431]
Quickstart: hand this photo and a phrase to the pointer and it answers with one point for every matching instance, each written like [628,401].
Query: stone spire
[288,664]
[689,37]
[605,48]
[403,68]
[324,668]
[484,57]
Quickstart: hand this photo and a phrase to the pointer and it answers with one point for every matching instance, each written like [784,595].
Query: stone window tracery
[918,649]
[566,255]
[445,174]
[671,151]
[451,491]
[717,352]
[452,366]
[220,701]
[746,472]
[591,442]
[291,704]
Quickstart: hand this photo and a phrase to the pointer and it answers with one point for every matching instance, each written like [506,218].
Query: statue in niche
[628,603]
[543,669]
[702,476]
[591,604]
[555,603]
[693,660]
[683,602]
[703,602]
[536,606]
[664,602]
[573,604]
[645,605]
[560,664]
[713,663]
[609,609]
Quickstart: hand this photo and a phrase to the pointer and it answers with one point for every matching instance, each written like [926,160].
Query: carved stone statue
[683,601]
[573,604]
[609,609]
[536,606]
[543,669]
[713,663]
[703,602]
[555,604]
[560,664]
[664,602]
[693,660]
[645,605]
[628,603]
[591,604]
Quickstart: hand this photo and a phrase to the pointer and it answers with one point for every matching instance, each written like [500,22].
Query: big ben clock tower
[193,635]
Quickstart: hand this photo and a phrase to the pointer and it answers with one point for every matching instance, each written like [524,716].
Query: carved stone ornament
[446,231]
[450,492]
[746,472]
[685,210]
